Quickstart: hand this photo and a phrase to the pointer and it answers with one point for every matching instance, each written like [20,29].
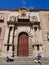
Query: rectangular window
[48,36]
[38,47]
[1,17]
[0,30]
[35,28]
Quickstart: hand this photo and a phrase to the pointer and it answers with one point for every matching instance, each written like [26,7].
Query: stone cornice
[23,23]
[27,9]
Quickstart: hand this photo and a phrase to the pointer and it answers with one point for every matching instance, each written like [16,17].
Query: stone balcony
[23,20]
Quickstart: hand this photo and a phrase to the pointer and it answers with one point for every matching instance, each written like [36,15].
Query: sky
[32,4]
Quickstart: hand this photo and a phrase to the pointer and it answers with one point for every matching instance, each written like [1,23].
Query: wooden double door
[23,45]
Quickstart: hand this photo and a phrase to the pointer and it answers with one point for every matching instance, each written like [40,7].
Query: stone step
[19,59]
[24,61]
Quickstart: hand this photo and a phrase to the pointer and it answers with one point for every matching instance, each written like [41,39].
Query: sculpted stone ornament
[12,18]
[22,11]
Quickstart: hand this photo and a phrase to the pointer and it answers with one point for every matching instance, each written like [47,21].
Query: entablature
[23,23]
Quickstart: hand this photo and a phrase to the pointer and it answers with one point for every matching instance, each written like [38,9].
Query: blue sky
[14,4]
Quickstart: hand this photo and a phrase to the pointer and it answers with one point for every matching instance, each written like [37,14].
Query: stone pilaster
[4,50]
[11,40]
[31,43]
[15,43]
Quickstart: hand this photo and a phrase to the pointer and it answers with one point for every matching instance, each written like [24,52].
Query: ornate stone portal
[23,36]
[10,47]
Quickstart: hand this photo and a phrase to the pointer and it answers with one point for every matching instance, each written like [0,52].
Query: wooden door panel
[23,45]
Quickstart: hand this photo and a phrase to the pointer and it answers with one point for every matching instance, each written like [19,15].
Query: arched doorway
[23,45]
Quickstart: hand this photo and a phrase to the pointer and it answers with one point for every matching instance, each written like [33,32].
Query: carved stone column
[11,35]
[15,43]
[11,40]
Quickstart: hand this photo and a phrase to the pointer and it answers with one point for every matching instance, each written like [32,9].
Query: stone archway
[23,44]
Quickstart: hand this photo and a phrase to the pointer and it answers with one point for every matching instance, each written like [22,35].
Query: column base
[5,54]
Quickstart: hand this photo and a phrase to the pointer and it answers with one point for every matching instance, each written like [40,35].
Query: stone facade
[34,22]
